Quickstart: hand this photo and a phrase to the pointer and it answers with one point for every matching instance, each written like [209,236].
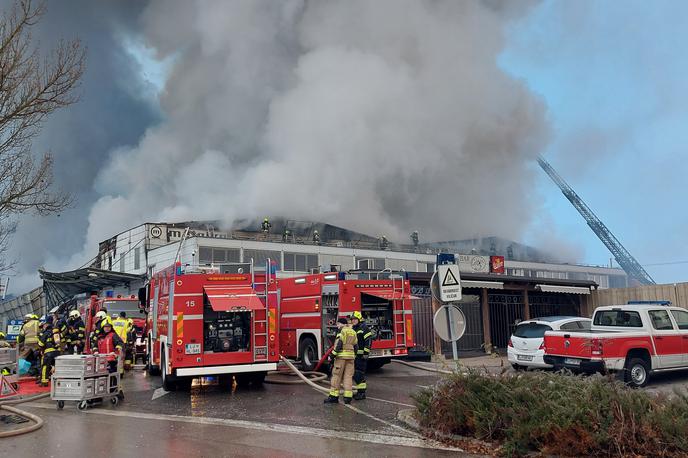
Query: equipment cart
[86,380]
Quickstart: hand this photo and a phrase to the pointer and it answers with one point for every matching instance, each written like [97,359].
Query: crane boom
[627,262]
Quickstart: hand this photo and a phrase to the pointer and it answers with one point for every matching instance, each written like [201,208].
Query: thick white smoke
[380,116]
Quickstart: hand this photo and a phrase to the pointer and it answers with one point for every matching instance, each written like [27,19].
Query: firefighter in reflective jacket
[48,343]
[110,342]
[122,327]
[76,333]
[27,342]
[343,353]
[361,362]
[97,329]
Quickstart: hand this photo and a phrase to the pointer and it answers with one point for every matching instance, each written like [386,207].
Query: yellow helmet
[107,321]
[357,315]
[2,335]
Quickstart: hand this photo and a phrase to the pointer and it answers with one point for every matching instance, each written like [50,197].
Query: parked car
[631,340]
[526,345]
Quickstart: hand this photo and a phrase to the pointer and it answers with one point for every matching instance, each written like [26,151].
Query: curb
[407,417]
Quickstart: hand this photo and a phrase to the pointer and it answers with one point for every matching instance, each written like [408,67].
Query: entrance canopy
[60,287]
[234,298]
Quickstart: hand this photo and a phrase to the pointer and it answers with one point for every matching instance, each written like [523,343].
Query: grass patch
[556,414]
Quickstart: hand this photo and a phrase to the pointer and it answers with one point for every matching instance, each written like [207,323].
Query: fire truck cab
[114,305]
[310,306]
[213,322]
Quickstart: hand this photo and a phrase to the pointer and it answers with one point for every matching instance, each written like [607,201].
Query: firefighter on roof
[364,336]
[343,353]
[76,333]
[265,226]
[316,237]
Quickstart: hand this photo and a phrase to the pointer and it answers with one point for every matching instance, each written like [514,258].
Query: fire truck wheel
[152,369]
[376,364]
[184,383]
[168,382]
[308,353]
[243,380]
[257,378]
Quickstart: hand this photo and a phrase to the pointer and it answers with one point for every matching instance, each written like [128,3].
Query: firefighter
[122,327]
[343,353]
[265,226]
[361,362]
[414,238]
[285,235]
[3,342]
[316,237]
[76,333]
[61,325]
[48,343]
[95,332]
[109,343]
[27,341]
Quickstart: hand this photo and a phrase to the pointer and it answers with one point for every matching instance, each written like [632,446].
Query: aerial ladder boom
[627,262]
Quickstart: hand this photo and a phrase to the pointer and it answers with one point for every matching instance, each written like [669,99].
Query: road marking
[158,393]
[275,427]
[390,402]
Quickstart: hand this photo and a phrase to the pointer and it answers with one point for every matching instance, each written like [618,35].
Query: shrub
[556,414]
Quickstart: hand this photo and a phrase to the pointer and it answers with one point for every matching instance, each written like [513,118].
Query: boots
[332,400]
[347,400]
[360,395]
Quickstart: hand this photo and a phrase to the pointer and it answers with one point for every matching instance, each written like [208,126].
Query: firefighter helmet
[357,316]
[101,314]
[74,314]
[2,335]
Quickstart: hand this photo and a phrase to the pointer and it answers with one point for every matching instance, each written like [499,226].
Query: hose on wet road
[37,421]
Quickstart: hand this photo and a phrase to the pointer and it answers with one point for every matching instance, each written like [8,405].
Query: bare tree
[32,86]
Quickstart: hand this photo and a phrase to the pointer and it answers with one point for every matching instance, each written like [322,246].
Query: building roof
[62,286]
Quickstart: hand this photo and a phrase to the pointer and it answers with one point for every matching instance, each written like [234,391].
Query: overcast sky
[418,101]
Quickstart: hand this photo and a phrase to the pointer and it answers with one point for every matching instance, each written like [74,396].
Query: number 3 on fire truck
[191,303]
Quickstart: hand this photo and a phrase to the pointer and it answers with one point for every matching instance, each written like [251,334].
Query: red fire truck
[216,322]
[310,306]
[114,305]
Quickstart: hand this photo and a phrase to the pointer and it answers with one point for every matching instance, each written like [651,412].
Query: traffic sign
[450,323]
[449,282]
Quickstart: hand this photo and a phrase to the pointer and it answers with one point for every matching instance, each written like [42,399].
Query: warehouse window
[300,262]
[121,262]
[371,263]
[137,258]
[260,256]
[207,255]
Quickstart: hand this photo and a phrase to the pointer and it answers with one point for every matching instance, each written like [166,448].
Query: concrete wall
[676,293]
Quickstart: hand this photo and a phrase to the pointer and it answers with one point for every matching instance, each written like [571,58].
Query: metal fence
[424,333]
[506,310]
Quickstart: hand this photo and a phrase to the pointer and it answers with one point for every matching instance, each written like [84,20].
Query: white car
[526,345]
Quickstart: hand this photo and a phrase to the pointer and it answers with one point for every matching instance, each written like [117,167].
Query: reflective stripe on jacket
[29,332]
[121,327]
[364,338]
[346,344]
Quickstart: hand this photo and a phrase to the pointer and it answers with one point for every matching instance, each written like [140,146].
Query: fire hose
[38,421]
[423,368]
[312,376]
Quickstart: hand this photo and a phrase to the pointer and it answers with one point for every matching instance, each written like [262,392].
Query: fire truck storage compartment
[378,314]
[226,331]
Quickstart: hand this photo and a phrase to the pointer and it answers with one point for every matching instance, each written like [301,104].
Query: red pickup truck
[631,340]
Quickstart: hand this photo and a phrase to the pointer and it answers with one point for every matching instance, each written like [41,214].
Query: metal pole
[450,327]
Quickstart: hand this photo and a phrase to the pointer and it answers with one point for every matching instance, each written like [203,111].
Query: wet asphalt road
[209,420]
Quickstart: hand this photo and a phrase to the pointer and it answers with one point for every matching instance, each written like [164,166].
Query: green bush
[556,414]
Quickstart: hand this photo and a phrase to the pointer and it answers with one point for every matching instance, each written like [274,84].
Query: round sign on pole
[435,287]
[450,323]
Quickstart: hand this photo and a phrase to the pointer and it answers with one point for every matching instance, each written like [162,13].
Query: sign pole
[450,326]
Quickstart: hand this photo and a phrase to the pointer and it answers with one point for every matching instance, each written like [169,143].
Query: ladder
[261,352]
[399,322]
